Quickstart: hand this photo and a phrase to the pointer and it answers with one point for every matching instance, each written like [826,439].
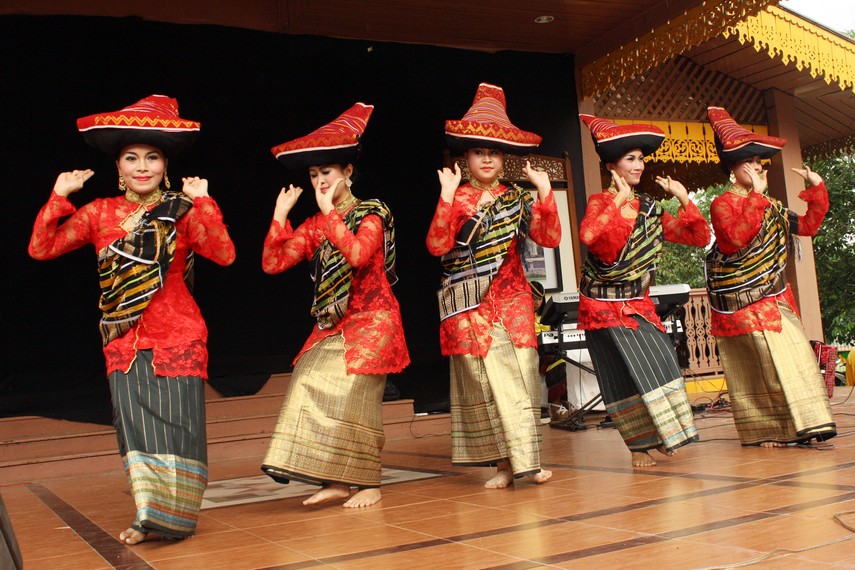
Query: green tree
[684,263]
[834,250]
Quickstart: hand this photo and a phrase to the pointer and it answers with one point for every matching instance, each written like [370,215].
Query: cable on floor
[786,551]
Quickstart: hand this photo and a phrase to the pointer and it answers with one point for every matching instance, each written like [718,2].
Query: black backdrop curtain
[250,90]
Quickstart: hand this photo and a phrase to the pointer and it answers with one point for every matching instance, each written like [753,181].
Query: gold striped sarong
[330,429]
[778,393]
[495,407]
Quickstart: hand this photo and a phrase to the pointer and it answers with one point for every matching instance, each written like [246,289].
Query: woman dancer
[153,333]
[777,391]
[486,308]
[330,429]
[642,385]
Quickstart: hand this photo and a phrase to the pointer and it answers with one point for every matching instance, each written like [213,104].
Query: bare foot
[132,536]
[363,498]
[772,444]
[541,477]
[328,493]
[642,459]
[502,479]
[665,451]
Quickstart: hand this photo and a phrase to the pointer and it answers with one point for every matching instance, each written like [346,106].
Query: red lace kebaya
[172,325]
[508,300]
[372,328]
[736,220]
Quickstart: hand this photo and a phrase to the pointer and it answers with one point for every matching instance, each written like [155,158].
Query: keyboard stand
[576,420]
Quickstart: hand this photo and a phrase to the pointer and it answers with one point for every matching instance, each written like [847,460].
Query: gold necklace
[475,183]
[145,199]
[346,203]
[613,192]
[739,190]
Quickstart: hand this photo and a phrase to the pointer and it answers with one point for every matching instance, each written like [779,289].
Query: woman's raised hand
[624,191]
[758,179]
[809,175]
[449,181]
[539,178]
[673,187]
[285,201]
[194,187]
[325,199]
[70,182]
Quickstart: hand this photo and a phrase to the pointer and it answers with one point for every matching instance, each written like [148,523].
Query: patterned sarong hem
[167,490]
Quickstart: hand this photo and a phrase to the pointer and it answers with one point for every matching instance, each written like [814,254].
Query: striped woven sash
[631,273]
[133,268]
[480,248]
[332,274]
[756,270]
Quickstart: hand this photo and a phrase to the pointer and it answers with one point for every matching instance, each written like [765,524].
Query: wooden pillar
[785,185]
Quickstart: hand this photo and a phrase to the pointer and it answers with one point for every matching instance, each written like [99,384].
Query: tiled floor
[714,504]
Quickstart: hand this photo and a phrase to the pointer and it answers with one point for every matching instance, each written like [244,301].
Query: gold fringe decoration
[672,38]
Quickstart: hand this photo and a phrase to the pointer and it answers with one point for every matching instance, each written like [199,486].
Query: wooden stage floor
[714,504]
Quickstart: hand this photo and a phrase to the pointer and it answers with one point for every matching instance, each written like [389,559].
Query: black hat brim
[611,151]
[465,143]
[750,150]
[305,159]
[111,141]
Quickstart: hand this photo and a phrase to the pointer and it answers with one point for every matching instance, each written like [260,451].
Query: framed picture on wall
[542,264]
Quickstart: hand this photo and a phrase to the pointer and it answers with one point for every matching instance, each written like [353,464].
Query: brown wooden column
[785,185]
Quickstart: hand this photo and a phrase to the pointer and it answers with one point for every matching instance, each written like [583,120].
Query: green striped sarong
[160,425]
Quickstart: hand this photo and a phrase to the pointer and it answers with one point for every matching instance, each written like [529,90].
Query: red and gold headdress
[336,142]
[613,141]
[153,121]
[734,142]
[487,125]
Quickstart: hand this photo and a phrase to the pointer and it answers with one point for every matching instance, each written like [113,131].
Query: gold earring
[732,178]
[166,181]
[348,182]
[612,186]
[122,187]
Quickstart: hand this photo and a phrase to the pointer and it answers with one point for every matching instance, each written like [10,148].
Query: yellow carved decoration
[782,34]
[686,141]
[693,27]
[836,147]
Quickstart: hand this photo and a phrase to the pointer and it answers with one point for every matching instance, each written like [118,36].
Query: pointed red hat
[153,121]
[613,141]
[734,142]
[487,125]
[334,143]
